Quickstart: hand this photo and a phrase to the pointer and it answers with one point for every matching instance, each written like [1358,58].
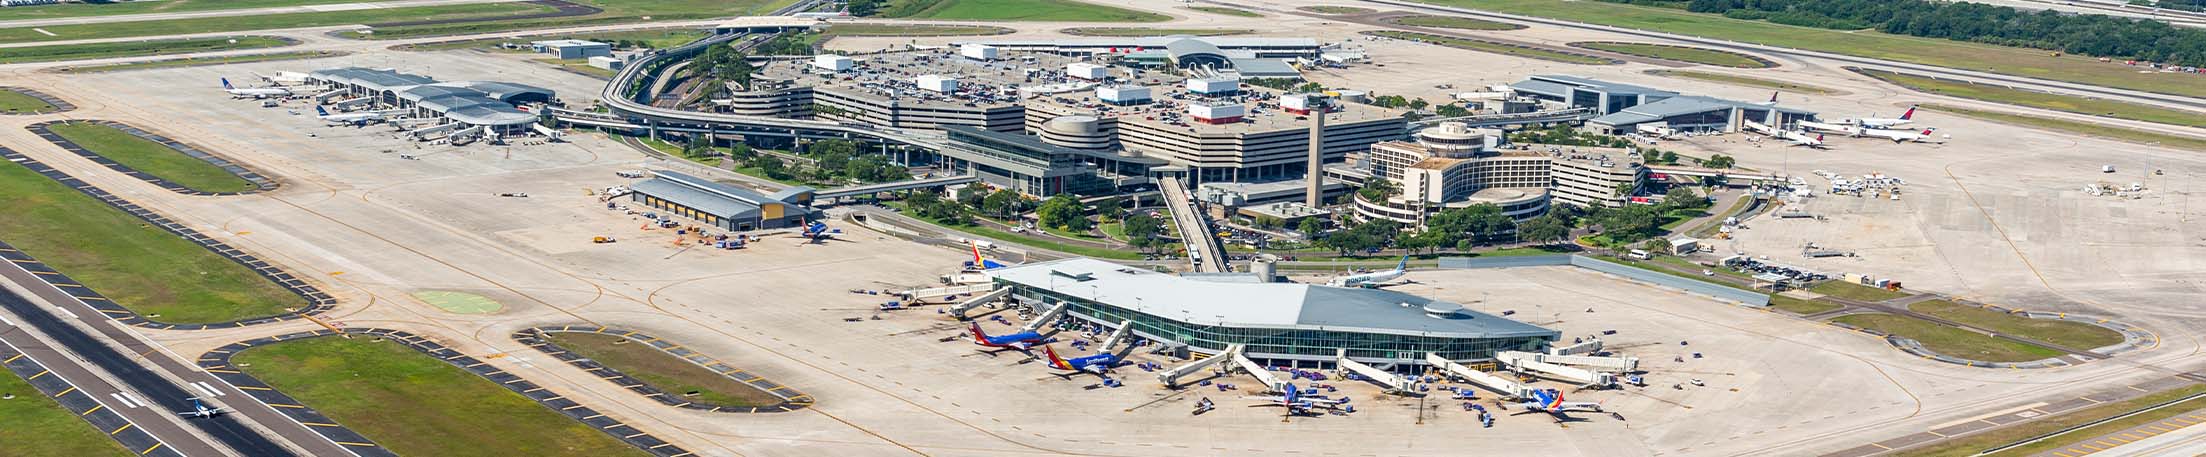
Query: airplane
[1802,139]
[818,232]
[254,92]
[1761,128]
[1841,129]
[1878,123]
[1372,279]
[347,118]
[1550,401]
[201,411]
[984,263]
[1902,136]
[1296,404]
[1099,363]
[1020,341]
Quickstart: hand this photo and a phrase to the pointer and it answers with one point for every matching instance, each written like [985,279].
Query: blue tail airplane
[1099,364]
[1020,341]
[1550,401]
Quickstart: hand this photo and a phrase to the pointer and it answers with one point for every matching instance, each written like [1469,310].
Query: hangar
[720,205]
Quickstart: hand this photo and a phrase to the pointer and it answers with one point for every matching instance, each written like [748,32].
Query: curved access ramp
[318,301]
[791,399]
[260,183]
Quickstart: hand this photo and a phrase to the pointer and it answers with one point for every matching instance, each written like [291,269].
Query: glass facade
[1298,347]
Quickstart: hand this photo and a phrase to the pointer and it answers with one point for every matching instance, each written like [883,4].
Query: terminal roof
[1261,305]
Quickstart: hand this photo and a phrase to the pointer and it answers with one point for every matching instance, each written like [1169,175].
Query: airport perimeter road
[138,373]
[1966,75]
[153,420]
[237,12]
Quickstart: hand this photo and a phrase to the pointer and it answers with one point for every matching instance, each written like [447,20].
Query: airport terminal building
[1279,323]
[489,105]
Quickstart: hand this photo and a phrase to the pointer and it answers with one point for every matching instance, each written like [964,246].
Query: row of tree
[2095,35]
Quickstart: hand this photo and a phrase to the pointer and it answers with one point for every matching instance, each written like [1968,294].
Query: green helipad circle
[459,302]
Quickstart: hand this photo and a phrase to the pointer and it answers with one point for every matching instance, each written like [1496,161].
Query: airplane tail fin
[321,111]
[1927,131]
[978,336]
[977,259]
[1403,265]
[226,84]
[1909,115]
[1773,96]
[1054,360]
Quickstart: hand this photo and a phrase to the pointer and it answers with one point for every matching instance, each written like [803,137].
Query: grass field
[264,22]
[2076,127]
[1842,289]
[1746,81]
[151,158]
[1453,22]
[1226,11]
[145,7]
[1801,307]
[1018,10]
[458,302]
[16,102]
[912,30]
[37,426]
[140,267]
[200,61]
[654,38]
[1139,32]
[671,374]
[1950,341]
[1969,445]
[1474,45]
[2076,335]
[616,11]
[1679,53]
[133,49]
[2033,99]
[414,404]
[1327,9]
[1928,51]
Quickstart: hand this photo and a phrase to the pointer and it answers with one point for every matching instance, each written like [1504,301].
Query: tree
[1003,203]
[1681,197]
[1379,189]
[1659,244]
[1310,87]
[1719,161]
[770,166]
[972,195]
[1269,222]
[863,7]
[1546,229]
[1063,212]
[1142,230]
[1630,223]
[1310,226]
[1450,110]
[1668,157]
[1419,104]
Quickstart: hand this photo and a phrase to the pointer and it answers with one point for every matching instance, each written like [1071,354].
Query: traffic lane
[149,431]
[159,391]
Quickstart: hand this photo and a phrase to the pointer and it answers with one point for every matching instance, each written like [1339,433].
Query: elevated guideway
[1203,249]
[870,189]
[1731,175]
[1394,383]
[1504,386]
[1527,362]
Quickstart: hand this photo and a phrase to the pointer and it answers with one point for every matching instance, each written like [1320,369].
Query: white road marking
[126,399]
[65,312]
[39,30]
[4,320]
[209,389]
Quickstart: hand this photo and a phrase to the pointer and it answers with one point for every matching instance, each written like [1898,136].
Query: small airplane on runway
[201,411]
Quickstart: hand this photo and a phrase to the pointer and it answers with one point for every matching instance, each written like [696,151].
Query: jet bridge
[424,132]
[325,96]
[1526,361]
[1256,370]
[1125,329]
[548,132]
[353,101]
[958,310]
[1504,386]
[1394,383]
[1171,377]
[1587,347]
[1045,318]
[1606,364]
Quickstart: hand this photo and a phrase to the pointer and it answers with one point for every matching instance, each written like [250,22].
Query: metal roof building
[1248,46]
[1697,113]
[472,103]
[720,205]
[1602,96]
[1297,324]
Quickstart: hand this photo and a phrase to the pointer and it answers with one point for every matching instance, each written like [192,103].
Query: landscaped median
[663,371]
[1497,47]
[152,157]
[1677,53]
[109,50]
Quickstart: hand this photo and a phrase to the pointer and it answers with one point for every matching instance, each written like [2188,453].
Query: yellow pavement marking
[88,412]
[125,426]
[349,443]
[150,449]
[66,391]
[280,405]
[42,373]
[318,424]
[12,359]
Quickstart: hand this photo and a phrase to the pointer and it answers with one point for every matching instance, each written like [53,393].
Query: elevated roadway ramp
[1394,383]
[1730,175]
[1504,386]
[1496,120]
[870,189]
[1204,251]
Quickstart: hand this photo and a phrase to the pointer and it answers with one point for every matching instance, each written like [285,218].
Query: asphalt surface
[159,392]
[74,386]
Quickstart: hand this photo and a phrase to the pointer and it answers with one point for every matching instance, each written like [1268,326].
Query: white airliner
[253,92]
[201,411]
[347,118]
[1902,136]
[1847,130]
[1878,123]
[1372,279]
[1801,139]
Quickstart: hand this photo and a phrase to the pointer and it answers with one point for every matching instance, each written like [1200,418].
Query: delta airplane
[1293,399]
[201,411]
[347,118]
[984,263]
[1372,279]
[254,92]
[1801,139]
[1847,130]
[1550,401]
[1020,341]
[1878,123]
[1100,363]
[1901,136]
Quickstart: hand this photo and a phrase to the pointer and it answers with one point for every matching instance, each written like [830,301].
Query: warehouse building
[1280,324]
[720,205]
[572,49]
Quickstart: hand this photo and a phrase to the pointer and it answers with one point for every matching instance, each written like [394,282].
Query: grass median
[2035,99]
[1142,32]
[1800,306]
[1970,445]
[14,102]
[139,266]
[1453,22]
[1851,291]
[2077,127]
[1337,9]
[913,30]
[2075,335]
[2015,61]
[90,9]
[85,51]
[614,12]
[150,158]
[1497,48]
[266,21]
[38,426]
[414,404]
[1746,81]
[1018,10]
[203,61]
[1950,341]
[1680,54]
[674,375]
[1226,11]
